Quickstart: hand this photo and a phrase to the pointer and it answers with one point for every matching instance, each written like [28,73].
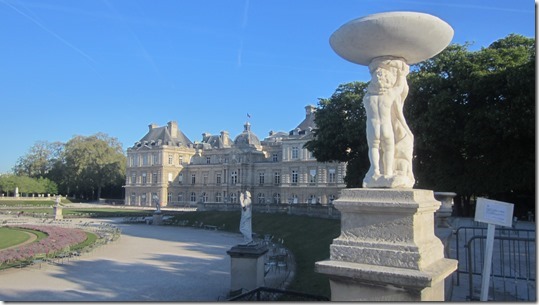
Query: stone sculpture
[388,43]
[389,137]
[246,216]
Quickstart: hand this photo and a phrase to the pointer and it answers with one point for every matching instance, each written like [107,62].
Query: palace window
[145,159]
[275,158]
[218,197]
[144,178]
[276,198]
[143,199]
[155,158]
[261,198]
[331,175]
[154,177]
[193,178]
[208,160]
[331,198]
[170,157]
[193,197]
[295,152]
[261,178]
[205,179]
[180,197]
[233,198]
[234,177]
[133,198]
[277,178]
[294,177]
[312,176]
[180,178]
[218,178]
[133,178]
[169,197]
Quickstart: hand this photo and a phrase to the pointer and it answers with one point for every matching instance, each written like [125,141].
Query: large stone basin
[410,35]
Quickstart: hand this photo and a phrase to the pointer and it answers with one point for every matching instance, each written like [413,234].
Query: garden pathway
[147,263]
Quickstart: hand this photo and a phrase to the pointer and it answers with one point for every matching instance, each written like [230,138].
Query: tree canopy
[83,166]
[473,118]
[26,185]
[340,133]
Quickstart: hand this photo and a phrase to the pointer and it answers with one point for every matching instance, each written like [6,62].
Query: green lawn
[31,203]
[307,237]
[11,237]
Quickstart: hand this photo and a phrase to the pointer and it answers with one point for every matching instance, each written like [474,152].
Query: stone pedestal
[247,266]
[58,212]
[446,210]
[387,250]
[157,218]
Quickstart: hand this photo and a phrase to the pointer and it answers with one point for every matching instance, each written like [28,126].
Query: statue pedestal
[387,250]
[58,212]
[157,219]
[247,266]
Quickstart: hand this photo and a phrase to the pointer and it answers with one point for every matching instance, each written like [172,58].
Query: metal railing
[311,210]
[464,234]
[273,294]
[513,275]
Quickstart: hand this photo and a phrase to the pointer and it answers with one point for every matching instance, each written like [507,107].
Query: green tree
[39,160]
[340,133]
[473,115]
[473,119]
[92,163]
[26,185]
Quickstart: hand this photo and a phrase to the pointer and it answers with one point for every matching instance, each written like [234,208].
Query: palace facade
[167,168]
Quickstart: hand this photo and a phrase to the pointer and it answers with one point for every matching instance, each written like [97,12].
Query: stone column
[58,213]
[387,250]
[247,266]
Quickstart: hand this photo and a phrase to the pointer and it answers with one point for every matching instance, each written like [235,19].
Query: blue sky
[80,67]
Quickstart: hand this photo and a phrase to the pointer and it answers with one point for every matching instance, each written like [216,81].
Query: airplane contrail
[46,29]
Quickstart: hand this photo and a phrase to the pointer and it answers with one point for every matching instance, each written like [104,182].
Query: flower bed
[58,239]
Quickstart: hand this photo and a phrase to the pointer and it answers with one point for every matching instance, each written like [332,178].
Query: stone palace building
[166,167]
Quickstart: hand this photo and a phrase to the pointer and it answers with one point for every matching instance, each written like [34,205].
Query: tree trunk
[98,192]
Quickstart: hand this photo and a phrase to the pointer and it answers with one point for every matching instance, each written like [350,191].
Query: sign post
[493,213]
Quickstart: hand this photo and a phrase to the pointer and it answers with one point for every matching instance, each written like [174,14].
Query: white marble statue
[246,216]
[389,137]
[388,43]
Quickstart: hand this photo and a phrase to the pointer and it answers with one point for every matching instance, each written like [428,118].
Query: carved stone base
[247,266]
[58,213]
[387,249]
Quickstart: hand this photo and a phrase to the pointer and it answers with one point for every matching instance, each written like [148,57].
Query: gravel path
[147,263]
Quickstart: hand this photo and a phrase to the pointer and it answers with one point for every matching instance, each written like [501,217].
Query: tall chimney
[225,138]
[173,129]
[309,109]
[152,126]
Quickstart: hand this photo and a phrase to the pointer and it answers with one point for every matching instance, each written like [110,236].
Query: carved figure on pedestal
[388,135]
[246,216]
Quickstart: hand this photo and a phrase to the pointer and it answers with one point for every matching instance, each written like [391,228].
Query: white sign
[494,212]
